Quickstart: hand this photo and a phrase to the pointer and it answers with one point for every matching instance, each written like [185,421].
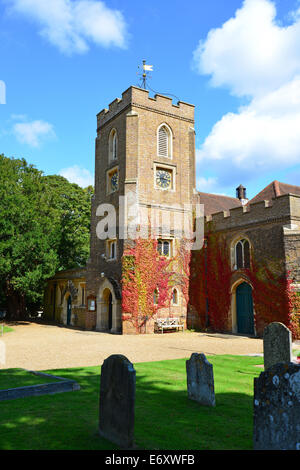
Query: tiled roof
[216,203]
[274,190]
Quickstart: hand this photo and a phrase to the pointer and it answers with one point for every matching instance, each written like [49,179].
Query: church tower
[144,159]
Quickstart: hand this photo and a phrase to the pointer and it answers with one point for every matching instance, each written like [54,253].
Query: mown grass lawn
[12,378]
[164,417]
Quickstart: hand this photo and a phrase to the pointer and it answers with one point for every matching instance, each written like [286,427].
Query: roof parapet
[253,210]
[139,97]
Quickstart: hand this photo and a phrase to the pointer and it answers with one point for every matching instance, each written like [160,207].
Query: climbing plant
[274,297]
[210,282]
[146,273]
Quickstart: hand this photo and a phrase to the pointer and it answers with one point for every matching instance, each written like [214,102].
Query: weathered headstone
[200,380]
[117,399]
[277,408]
[277,344]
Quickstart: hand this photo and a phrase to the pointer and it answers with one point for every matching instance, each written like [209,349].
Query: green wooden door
[244,309]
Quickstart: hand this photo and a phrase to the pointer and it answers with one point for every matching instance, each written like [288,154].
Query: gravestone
[200,380]
[277,408]
[277,344]
[117,399]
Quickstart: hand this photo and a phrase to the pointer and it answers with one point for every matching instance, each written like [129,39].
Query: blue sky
[237,61]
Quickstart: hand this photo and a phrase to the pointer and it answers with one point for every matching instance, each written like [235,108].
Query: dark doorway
[69,310]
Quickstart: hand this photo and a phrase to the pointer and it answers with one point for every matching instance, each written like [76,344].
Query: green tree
[72,207]
[44,227]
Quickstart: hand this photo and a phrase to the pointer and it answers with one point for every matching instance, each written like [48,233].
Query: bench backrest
[167,321]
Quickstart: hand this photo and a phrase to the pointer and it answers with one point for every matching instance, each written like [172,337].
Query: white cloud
[72,25]
[32,133]
[251,54]
[2,92]
[206,184]
[78,175]
[254,57]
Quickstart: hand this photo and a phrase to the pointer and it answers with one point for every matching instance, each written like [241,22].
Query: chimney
[241,194]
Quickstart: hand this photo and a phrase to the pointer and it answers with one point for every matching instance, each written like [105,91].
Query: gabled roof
[274,190]
[216,202]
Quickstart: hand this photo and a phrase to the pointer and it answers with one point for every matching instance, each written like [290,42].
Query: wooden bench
[167,324]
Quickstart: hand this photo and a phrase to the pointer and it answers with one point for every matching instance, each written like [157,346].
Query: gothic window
[164,141]
[175,297]
[113,145]
[164,248]
[242,254]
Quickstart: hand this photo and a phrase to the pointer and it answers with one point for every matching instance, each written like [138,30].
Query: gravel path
[40,347]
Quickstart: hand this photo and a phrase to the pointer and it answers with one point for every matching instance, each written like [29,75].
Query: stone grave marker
[200,380]
[117,400]
[277,340]
[277,408]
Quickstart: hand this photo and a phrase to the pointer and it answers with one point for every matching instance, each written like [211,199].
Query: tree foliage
[44,227]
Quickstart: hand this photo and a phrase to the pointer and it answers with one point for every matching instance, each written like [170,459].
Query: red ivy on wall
[274,298]
[210,283]
[144,271]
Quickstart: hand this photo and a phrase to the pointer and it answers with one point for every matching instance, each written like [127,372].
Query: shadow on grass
[164,417]
[13,378]
[168,419]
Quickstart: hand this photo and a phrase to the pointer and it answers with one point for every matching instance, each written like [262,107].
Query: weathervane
[146,68]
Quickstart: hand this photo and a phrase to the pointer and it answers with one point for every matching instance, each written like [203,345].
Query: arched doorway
[244,309]
[69,310]
[109,312]
[107,309]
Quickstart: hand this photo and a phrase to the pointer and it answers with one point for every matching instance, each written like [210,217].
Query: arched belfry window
[113,145]
[164,141]
[242,254]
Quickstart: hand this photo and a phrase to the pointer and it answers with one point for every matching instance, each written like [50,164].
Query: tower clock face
[114,181]
[163,179]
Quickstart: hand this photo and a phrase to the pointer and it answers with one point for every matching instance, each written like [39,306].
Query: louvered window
[163,144]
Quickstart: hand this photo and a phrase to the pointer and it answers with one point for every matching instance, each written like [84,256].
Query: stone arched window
[113,145]
[242,254]
[175,297]
[164,141]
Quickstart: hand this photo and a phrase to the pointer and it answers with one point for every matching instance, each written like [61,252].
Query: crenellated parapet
[284,208]
[135,97]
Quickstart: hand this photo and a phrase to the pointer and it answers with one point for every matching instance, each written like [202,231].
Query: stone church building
[145,152]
